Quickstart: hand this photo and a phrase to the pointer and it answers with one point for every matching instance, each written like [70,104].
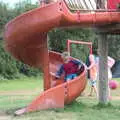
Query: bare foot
[20,112]
[89,94]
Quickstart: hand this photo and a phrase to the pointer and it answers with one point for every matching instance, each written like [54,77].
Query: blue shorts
[70,77]
[93,83]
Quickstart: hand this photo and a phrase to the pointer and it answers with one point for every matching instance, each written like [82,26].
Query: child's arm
[111,61]
[92,62]
[78,63]
[91,65]
[60,71]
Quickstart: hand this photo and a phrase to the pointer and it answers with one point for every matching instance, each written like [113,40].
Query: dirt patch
[93,97]
[4,116]
[115,98]
[24,92]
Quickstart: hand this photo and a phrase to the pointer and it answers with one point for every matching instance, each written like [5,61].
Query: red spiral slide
[26,40]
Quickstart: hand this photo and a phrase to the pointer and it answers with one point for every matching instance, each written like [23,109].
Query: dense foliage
[58,41]
[10,68]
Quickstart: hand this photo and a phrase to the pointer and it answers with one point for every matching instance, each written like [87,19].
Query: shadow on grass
[12,111]
[102,106]
[75,106]
[109,105]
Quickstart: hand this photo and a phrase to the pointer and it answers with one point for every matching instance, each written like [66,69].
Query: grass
[24,83]
[19,92]
[83,108]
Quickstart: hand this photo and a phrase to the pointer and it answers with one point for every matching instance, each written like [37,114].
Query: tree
[10,68]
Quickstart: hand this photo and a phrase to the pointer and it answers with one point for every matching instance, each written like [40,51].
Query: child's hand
[53,74]
[87,68]
[57,77]
[79,67]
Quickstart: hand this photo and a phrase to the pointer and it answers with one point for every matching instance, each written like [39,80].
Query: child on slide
[70,67]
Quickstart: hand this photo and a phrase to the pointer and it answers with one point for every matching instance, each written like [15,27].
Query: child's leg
[91,87]
[109,78]
[70,77]
[67,78]
[91,91]
[95,90]
[109,93]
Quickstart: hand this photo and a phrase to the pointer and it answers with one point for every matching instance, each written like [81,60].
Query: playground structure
[69,42]
[26,40]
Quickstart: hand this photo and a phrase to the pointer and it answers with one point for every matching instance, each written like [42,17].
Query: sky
[12,2]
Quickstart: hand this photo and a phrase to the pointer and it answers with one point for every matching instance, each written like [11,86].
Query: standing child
[93,74]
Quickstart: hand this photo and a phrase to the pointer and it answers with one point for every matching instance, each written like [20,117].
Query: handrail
[87,6]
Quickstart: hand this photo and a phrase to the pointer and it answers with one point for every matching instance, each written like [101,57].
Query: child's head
[65,56]
[91,58]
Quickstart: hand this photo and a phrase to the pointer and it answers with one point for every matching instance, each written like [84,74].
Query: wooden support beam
[109,28]
[103,70]
[47,81]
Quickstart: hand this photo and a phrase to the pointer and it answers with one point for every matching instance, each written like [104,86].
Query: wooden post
[47,82]
[103,68]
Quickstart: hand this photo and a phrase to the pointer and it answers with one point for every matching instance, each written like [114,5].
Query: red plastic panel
[112,4]
[75,87]
[55,61]
[52,98]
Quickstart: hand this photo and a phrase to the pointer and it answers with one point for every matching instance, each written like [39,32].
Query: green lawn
[18,93]
[24,83]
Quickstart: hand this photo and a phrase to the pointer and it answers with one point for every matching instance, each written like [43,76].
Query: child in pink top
[111,62]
